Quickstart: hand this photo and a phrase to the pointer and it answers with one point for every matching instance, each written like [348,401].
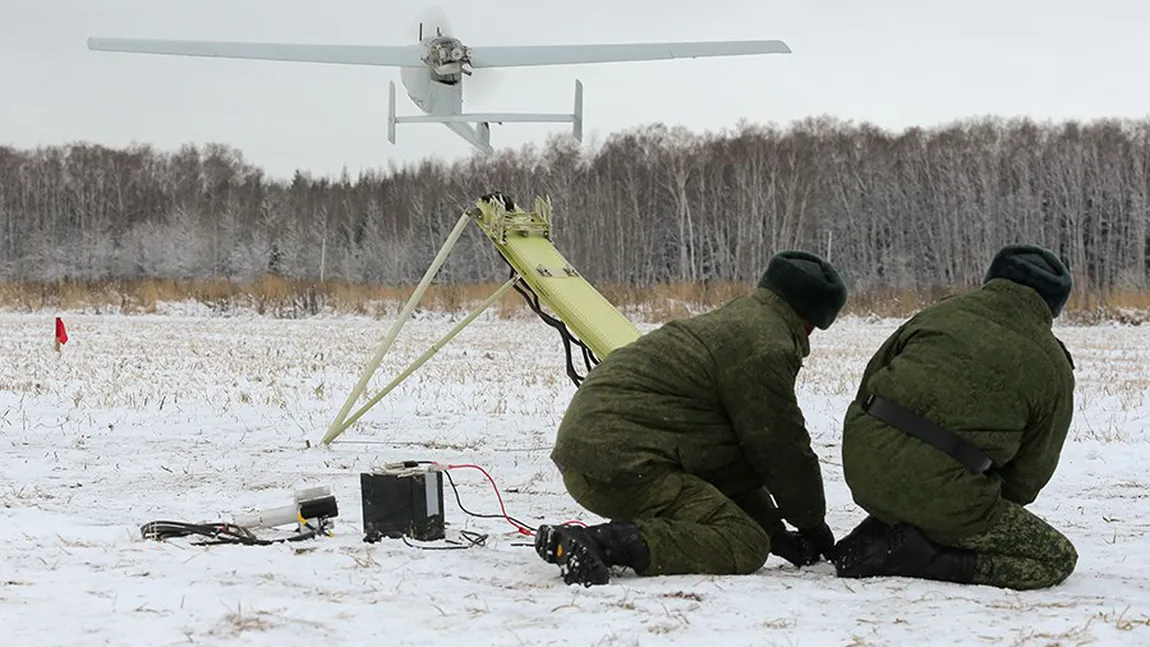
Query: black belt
[928,432]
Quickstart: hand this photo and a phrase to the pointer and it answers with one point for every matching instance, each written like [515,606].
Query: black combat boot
[947,564]
[857,554]
[902,550]
[585,555]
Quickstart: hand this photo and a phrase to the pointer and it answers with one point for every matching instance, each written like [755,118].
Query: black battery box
[404,499]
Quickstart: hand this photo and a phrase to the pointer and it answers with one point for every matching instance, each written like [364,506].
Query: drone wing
[527,55]
[394,56]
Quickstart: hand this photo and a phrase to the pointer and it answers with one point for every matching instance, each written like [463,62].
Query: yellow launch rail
[538,272]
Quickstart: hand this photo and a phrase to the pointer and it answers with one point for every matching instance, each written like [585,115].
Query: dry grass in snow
[197,419]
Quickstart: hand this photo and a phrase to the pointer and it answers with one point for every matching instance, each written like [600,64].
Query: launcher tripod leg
[337,425]
[422,359]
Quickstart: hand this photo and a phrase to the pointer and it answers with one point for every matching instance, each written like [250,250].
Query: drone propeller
[479,85]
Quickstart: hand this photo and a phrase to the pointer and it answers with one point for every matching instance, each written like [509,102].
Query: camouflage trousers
[689,526]
[1020,551]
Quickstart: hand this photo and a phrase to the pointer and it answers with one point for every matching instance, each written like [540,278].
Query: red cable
[502,508]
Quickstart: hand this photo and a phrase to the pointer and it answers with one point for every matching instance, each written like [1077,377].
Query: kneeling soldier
[959,423]
[690,439]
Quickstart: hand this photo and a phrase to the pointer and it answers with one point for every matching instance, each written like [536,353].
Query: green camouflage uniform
[986,366]
[688,432]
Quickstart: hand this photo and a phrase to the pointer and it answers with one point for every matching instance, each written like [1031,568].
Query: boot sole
[578,557]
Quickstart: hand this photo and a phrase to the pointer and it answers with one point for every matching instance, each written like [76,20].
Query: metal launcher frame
[538,272]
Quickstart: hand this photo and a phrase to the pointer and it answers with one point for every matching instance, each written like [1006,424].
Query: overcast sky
[891,62]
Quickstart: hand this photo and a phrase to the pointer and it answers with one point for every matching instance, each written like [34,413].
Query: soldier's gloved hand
[821,539]
[792,547]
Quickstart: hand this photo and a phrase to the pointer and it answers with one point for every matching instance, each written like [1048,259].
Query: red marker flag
[61,334]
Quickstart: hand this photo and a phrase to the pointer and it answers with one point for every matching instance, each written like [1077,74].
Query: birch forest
[919,210]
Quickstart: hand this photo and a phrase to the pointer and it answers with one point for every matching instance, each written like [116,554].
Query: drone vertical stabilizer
[391,112]
[577,123]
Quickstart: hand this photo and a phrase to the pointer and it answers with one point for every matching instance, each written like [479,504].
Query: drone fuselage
[433,96]
[437,88]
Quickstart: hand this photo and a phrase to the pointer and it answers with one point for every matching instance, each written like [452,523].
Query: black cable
[589,358]
[219,533]
[568,339]
[473,539]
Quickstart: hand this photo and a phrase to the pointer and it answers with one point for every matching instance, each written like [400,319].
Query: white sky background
[893,63]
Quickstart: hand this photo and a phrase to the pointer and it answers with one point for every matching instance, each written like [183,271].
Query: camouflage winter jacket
[712,395]
[985,365]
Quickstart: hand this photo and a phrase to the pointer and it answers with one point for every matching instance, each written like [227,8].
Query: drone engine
[448,57]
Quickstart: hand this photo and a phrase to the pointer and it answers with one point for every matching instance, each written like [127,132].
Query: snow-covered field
[198,419]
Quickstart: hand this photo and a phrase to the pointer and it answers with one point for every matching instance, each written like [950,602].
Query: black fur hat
[1035,267]
[808,283]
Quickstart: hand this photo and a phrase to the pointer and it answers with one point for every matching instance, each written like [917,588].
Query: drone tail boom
[488,117]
